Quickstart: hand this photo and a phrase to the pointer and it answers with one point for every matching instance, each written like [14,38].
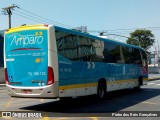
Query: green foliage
[145,38]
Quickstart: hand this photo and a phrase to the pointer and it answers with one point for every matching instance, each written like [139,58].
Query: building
[1,47]
[1,57]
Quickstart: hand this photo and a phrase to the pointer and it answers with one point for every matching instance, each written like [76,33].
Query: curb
[2,85]
[152,79]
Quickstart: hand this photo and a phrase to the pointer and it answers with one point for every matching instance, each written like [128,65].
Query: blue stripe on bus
[79,72]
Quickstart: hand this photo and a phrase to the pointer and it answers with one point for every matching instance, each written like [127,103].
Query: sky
[112,16]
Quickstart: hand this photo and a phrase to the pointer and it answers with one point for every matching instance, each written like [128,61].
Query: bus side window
[67,45]
[137,56]
[126,54]
[97,51]
[84,48]
[132,56]
[90,49]
[111,53]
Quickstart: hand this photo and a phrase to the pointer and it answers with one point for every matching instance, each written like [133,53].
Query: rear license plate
[27,91]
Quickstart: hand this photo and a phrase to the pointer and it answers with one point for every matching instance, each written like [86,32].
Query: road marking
[42,100]
[151,83]
[3,85]
[12,99]
[157,84]
[60,118]
[8,118]
[150,103]
[157,81]
[94,118]
[8,104]
[45,117]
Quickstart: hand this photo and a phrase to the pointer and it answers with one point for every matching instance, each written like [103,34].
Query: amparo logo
[23,40]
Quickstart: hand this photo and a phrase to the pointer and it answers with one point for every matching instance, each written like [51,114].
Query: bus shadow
[114,101]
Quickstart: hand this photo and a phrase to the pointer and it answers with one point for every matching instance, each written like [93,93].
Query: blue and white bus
[52,62]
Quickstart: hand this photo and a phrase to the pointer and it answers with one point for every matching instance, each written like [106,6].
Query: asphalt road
[147,99]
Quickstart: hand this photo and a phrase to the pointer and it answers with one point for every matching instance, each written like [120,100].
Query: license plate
[27,91]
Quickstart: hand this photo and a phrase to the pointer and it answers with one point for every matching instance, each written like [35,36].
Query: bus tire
[101,91]
[140,82]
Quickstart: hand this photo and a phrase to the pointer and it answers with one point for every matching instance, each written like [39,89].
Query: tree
[141,37]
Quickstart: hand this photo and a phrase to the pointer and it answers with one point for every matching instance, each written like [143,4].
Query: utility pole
[8,10]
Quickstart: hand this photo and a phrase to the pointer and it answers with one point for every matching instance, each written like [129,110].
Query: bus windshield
[27,57]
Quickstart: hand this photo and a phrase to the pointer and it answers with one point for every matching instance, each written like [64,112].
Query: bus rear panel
[27,71]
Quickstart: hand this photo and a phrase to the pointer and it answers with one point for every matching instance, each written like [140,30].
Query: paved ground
[154,76]
[147,99]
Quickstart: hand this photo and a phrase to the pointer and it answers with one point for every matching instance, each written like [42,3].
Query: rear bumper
[49,91]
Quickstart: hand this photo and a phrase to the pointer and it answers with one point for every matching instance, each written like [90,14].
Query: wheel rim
[101,93]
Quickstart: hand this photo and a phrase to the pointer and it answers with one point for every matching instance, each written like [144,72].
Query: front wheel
[139,85]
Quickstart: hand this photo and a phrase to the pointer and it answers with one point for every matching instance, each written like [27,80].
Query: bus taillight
[50,76]
[45,25]
[6,75]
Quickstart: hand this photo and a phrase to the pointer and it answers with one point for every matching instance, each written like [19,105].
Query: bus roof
[27,27]
[95,37]
[43,26]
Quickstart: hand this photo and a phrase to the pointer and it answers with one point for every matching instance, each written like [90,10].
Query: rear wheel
[138,87]
[140,82]
[101,89]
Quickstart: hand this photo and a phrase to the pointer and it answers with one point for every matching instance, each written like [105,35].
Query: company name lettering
[26,40]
